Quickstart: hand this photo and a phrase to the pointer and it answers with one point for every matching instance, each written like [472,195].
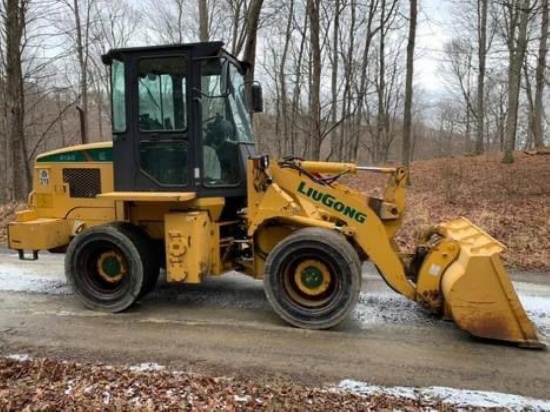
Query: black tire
[314,305]
[156,253]
[152,254]
[133,264]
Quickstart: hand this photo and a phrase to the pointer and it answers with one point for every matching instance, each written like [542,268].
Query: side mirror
[257,99]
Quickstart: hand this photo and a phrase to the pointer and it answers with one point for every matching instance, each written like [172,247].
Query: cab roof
[205,49]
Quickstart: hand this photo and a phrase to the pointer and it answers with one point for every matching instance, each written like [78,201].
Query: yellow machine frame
[460,277]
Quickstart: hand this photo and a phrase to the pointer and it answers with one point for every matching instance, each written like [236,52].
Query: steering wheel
[206,121]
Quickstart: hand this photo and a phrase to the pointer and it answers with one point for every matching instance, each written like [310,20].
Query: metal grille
[83,182]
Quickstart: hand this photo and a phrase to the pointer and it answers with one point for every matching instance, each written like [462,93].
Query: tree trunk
[335,143]
[5,145]
[315,108]
[482,58]
[278,110]
[296,100]
[249,56]
[540,76]
[18,171]
[282,81]
[530,106]
[346,148]
[517,55]
[59,107]
[407,118]
[363,78]
[382,113]
[82,61]
[469,112]
[204,36]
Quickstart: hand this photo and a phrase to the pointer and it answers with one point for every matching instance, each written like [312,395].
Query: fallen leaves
[511,202]
[48,385]
[6,215]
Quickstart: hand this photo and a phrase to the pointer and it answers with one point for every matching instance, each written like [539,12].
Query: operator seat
[212,168]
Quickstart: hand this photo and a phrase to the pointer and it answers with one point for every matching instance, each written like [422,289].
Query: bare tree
[459,52]
[203,21]
[407,119]
[251,40]
[169,21]
[283,80]
[346,130]
[82,45]
[516,16]
[116,26]
[482,9]
[386,80]
[537,127]
[336,144]
[5,144]
[18,175]
[298,74]
[371,30]
[314,93]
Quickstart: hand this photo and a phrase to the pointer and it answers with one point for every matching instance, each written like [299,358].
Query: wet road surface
[225,326]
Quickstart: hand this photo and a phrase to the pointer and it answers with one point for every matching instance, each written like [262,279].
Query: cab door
[162,152]
[152,152]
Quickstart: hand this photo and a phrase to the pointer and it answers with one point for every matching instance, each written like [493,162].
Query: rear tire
[153,254]
[110,267]
[313,278]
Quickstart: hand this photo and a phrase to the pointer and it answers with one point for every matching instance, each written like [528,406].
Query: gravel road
[225,326]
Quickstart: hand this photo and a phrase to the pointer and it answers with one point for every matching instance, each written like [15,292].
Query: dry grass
[511,202]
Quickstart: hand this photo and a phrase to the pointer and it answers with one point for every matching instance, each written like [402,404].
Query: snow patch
[382,308]
[538,310]
[106,398]
[24,277]
[459,398]
[146,367]
[70,388]
[19,357]
[244,398]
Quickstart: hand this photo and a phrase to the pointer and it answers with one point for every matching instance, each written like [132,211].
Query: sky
[433,32]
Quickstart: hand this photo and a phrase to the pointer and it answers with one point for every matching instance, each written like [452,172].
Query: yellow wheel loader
[181,188]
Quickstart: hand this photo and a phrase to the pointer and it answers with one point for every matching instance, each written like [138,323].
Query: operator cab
[180,119]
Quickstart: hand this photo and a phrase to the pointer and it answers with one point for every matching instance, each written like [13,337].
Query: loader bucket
[478,293]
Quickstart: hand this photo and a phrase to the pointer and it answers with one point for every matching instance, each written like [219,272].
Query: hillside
[511,202]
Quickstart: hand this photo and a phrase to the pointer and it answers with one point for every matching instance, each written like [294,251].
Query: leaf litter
[49,385]
[510,201]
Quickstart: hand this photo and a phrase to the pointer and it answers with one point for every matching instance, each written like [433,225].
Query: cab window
[162,97]
[162,94]
[118,86]
[221,159]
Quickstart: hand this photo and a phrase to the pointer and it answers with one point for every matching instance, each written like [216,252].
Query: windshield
[229,104]
[238,104]
[224,122]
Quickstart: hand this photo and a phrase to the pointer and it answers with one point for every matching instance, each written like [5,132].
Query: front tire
[110,267]
[313,278]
